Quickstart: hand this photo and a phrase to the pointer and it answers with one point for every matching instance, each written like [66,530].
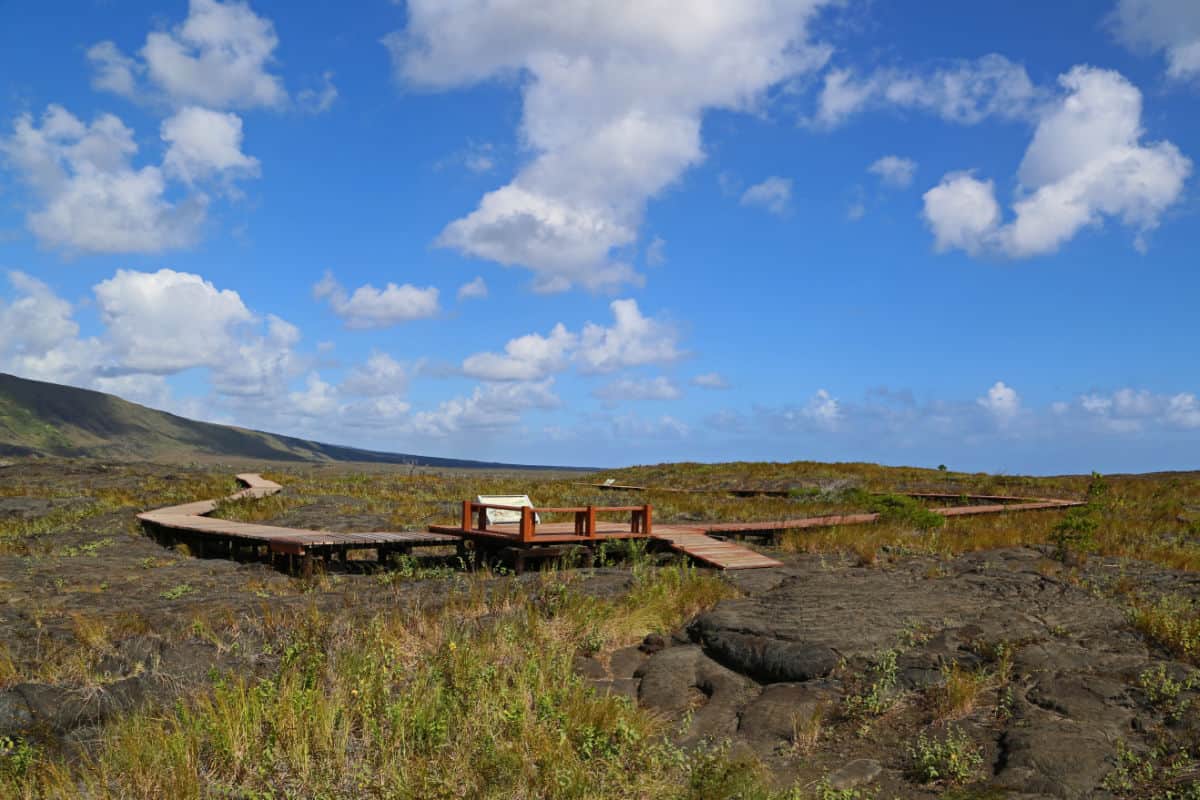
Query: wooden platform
[203,535]
[717,553]
[547,532]
[688,540]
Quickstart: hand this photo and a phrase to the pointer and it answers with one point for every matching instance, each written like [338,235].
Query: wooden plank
[717,553]
[190,517]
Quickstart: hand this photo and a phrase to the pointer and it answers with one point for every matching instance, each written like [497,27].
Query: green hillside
[38,418]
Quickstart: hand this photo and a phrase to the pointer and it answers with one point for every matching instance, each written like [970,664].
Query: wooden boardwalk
[719,553]
[774,526]
[294,548]
[706,542]
[686,539]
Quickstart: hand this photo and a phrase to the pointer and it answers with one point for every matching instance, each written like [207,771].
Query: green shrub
[903,510]
[1164,692]
[16,757]
[879,696]
[1172,622]
[1075,533]
[954,758]
[176,592]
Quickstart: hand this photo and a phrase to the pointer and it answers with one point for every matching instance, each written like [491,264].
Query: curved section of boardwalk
[189,522]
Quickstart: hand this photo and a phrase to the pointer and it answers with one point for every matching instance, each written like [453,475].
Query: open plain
[1026,654]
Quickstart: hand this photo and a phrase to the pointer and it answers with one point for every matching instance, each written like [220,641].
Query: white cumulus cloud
[473,290]
[774,194]
[822,412]
[380,376]
[204,143]
[490,407]
[895,171]
[1087,163]
[218,57]
[525,358]
[113,71]
[710,380]
[166,321]
[613,100]
[632,340]
[368,307]
[319,100]
[93,199]
[965,92]
[39,335]
[317,399]
[1183,410]
[1171,27]
[962,212]
[1129,410]
[155,324]
[1002,401]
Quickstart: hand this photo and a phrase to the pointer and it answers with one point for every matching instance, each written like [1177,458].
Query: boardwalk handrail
[474,517]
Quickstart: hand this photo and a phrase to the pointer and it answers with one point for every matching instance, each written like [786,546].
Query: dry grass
[9,674]
[34,536]
[477,698]
[807,727]
[960,693]
[1172,622]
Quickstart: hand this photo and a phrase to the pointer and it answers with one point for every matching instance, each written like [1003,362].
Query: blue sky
[606,233]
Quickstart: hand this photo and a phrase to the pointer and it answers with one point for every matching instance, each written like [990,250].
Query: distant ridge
[49,419]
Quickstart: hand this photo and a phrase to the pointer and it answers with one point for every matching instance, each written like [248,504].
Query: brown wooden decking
[188,522]
[203,535]
[588,530]
[686,539]
[696,540]
[718,553]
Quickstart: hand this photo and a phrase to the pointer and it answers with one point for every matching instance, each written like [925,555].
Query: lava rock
[859,772]
[653,643]
[769,660]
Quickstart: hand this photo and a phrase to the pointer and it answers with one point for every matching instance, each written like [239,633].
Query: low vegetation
[1173,622]
[950,758]
[423,705]
[431,681]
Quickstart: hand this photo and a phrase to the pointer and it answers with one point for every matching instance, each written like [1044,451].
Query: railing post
[591,522]
[647,520]
[466,516]
[526,524]
[483,518]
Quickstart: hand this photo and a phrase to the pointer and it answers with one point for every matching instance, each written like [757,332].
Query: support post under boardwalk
[526,524]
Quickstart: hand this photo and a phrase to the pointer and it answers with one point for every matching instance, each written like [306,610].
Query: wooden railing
[474,517]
